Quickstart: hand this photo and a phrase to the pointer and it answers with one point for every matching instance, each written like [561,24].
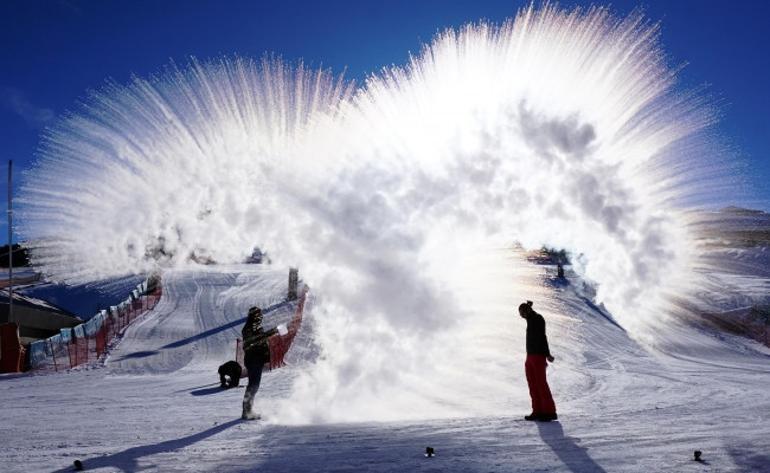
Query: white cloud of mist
[400,201]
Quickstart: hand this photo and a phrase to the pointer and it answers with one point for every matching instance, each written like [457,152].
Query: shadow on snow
[127,460]
[199,336]
[575,457]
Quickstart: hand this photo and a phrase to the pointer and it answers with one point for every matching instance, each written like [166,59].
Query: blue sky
[53,52]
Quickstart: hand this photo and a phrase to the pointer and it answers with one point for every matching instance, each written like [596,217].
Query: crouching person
[230,375]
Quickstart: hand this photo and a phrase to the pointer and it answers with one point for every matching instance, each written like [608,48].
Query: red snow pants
[542,401]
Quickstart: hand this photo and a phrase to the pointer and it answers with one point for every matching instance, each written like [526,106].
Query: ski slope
[195,326]
[155,404]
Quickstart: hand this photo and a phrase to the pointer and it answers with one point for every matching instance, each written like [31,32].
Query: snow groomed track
[195,326]
[155,405]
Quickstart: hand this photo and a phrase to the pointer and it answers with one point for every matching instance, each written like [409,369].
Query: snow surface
[155,404]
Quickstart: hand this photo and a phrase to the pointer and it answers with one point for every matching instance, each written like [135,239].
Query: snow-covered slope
[195,325]
[155,405]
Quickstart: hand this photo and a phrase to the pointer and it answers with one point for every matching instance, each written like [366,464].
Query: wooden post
[293,282]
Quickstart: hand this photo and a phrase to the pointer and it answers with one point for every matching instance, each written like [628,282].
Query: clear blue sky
[52,52]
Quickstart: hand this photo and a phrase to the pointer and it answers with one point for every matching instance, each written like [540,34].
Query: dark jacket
[231,369]
[537,343]
[255,339]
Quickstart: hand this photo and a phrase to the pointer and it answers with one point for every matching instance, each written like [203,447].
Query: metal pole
[10,241]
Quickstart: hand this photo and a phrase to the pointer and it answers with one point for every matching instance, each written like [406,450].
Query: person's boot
[532,416]
[548,417]
[247,413]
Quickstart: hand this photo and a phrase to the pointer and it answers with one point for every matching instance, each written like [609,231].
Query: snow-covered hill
[156,406]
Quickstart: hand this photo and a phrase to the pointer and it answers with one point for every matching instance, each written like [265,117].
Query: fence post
[293,281]
[53,355]
[74,346]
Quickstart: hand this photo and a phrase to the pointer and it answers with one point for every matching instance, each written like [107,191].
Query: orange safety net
[280,344]
[82,344]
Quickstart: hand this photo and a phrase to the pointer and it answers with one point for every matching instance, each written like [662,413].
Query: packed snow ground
[155,404]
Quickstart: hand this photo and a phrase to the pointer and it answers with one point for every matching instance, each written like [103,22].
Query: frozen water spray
[400,199]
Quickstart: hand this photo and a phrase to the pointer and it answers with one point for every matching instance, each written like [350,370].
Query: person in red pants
[543,407]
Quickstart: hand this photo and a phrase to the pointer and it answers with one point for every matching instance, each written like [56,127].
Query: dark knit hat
[525,307]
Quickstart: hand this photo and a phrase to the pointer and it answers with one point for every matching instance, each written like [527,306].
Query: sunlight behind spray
[401,200]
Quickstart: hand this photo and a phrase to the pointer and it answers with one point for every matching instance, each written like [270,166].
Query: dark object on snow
[560,271]
[541,417]
[429,452]
[230,374]
[78,465]
[697,455]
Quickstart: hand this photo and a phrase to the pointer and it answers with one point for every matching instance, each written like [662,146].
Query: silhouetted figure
[560,271]
[230,375]
[543,407]
[256,353]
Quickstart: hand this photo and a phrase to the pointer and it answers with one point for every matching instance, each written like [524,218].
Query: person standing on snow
[543,407]
[256,354]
